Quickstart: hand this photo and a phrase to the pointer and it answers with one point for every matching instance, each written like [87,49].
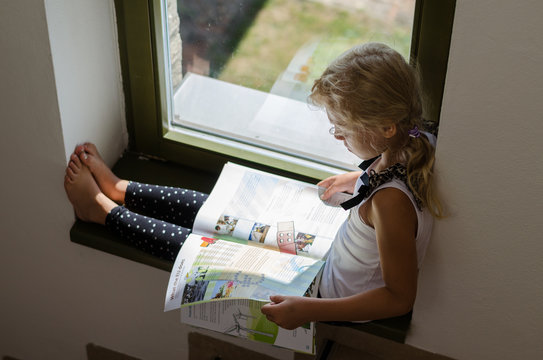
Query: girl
[373,102]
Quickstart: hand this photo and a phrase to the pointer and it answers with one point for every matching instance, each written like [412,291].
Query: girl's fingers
[326,182]
[328,193]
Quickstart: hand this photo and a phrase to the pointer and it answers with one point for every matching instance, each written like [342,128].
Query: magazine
[256,235]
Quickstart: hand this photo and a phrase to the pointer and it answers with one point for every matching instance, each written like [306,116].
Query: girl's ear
[389,131]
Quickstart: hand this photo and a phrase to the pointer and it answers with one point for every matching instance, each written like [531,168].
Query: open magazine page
[221,286]
[209,269]
[249,204]
[242,318]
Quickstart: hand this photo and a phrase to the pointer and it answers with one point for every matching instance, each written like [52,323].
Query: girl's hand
[339,183]
[285,311]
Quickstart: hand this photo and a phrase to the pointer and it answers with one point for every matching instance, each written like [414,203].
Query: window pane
[243,69]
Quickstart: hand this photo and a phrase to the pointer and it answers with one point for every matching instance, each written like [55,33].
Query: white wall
[87,72]
[481,286]
[60,85]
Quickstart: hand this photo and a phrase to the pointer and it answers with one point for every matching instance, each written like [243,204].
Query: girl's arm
[393,216]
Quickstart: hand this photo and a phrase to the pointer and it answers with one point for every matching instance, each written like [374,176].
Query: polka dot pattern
[174,205]
[156,219]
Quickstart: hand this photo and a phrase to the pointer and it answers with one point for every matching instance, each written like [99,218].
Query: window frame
[142,66]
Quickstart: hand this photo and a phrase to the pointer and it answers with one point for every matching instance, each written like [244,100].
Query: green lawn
[284,26]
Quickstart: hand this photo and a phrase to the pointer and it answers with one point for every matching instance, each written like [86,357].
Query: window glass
[242,70]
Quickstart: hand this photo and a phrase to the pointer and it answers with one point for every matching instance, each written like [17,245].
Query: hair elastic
[414,132]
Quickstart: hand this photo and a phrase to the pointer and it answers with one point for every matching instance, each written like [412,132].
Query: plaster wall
[61,86]
[481,286]
[86,65]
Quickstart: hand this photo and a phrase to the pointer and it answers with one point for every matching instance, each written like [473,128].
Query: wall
[481,286]
[87,72]
[61,86]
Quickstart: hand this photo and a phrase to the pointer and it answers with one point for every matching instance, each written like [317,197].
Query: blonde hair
[371,86]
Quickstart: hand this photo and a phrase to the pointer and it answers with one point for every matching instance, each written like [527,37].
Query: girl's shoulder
[389,204]
[391,193]
[394,176]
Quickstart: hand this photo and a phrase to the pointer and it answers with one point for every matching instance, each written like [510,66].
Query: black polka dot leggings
[156,219]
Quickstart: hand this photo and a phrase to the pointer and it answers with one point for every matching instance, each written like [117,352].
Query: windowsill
[141,169]
[99,238]
[134,167]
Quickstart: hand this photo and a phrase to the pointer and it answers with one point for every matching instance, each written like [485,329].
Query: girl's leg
[178,206]
[174,205]
[155,237]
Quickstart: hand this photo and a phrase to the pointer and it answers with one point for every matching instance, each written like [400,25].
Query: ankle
[105,206]
[120,190]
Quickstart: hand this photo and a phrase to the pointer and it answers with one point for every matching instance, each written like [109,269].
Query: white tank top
[353,265]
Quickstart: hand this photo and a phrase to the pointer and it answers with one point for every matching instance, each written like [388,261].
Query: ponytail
[420,167]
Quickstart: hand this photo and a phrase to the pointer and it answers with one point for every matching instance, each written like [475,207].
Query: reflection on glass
[276,47]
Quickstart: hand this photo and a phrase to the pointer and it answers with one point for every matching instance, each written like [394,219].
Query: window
[203,88]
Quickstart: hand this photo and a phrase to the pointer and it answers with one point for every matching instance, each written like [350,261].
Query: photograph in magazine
[250,205]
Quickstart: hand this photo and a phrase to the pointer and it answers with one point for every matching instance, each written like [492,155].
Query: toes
[79,150]
[74,169]
[81,154]
[84,157]
[70,174]
[91,149]
[78,155]
[76,160]
[67,180]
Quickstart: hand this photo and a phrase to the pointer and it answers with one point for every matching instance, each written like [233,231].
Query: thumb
[276,299]
[325,183]
[268,308]
[327,194]
[265,309]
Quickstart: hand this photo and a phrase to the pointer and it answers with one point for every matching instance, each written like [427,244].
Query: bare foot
[113,187]
[89,203]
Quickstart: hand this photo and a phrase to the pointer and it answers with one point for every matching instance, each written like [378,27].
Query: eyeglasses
[335,131]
